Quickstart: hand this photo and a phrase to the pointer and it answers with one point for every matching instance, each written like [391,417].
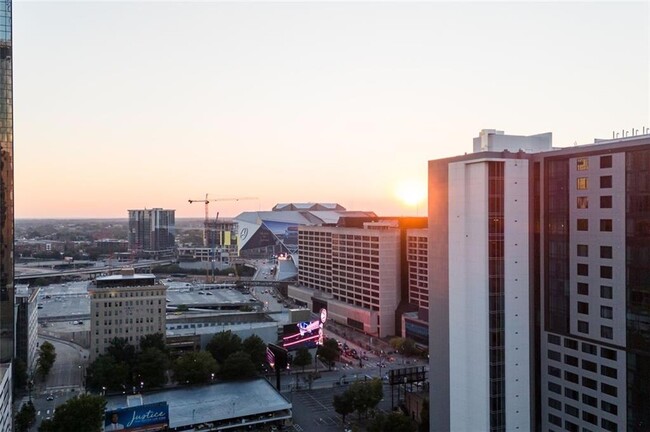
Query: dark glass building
[6,217]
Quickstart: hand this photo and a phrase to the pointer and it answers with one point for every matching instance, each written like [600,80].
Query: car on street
[49,398]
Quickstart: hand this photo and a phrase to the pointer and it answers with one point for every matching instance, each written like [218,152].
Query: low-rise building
[128,306]
[26,324]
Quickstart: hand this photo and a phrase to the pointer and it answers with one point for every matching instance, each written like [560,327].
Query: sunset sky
[122,105]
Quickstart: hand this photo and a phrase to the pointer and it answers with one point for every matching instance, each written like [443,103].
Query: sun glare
[411,192]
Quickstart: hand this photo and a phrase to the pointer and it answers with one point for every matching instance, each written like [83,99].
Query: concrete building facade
[539,298]
[27,324]
[128,306]
[355,273]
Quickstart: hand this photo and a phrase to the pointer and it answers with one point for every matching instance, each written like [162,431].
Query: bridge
[91,271]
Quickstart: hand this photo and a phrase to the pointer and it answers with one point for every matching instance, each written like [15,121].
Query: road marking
[38,412]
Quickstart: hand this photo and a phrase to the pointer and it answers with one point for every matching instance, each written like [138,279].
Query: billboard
[307,334]
[142,418]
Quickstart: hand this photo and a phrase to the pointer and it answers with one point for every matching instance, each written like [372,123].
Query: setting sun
[411,192]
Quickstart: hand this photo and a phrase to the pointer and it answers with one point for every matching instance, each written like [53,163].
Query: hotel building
[539,298]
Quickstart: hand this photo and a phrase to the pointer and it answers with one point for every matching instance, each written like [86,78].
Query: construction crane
[206,222]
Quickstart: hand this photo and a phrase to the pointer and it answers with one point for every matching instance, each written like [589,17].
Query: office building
[127,306]
[415,325]
[152,232]
[6,215]
[27,324]
[539,311]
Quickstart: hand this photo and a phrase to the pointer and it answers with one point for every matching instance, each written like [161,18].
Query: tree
[223,344]
[195,367]
[238,366]
[343,404]
[156,340]
[329,352]
[366,395]
[46,359]
[256,348]
[151,366]
[81,413]
[121,351]
[396,343]
[302,358]
[393,422]
[108,373]
[25,417]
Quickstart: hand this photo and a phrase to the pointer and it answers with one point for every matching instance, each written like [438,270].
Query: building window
[583,224]
[608,371]
[605,292]
[583,288]
[605,182]
[608,389]
[608,354]
[582,164]
[582,183]
[583,250]
[606,272]
[570,360]
[583,202]
[609,407]
[571,377]
[571,394]
[583,270]
[590,418]
[606,312]
[583,327]
[589,400]
[606,332]
[571,344]
[606,252]
[554,339]
[555,420]
[606,161]
[606,201]
[589,348]
[553,371]
[589,383]
[589,366]
[571,427]
[583,308]
[606,225]
[554,403]
[554,355]
[555,388]
[608,425]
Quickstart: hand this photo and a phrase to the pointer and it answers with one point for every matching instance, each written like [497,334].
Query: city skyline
[293,102]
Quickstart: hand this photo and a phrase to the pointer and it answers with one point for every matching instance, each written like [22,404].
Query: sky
[127,105]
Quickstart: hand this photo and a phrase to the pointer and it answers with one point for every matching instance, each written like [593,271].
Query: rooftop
[217,402]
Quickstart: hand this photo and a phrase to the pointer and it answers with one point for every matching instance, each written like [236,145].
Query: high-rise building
[6,214]
[27,324]
[357,270]
[539,300]
[128,306]
[152,231]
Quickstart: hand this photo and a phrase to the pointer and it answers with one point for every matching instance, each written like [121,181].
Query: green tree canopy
[155,340]
[256,348]
[195,367]
[46,359]
[238,366]
[424,416]
[366,395]
[223,344]
[343,404]
[151,366]
[329,352]
[25,417]
[81,413]
[302,358]
[393,422]
[121,351]
[106,372]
